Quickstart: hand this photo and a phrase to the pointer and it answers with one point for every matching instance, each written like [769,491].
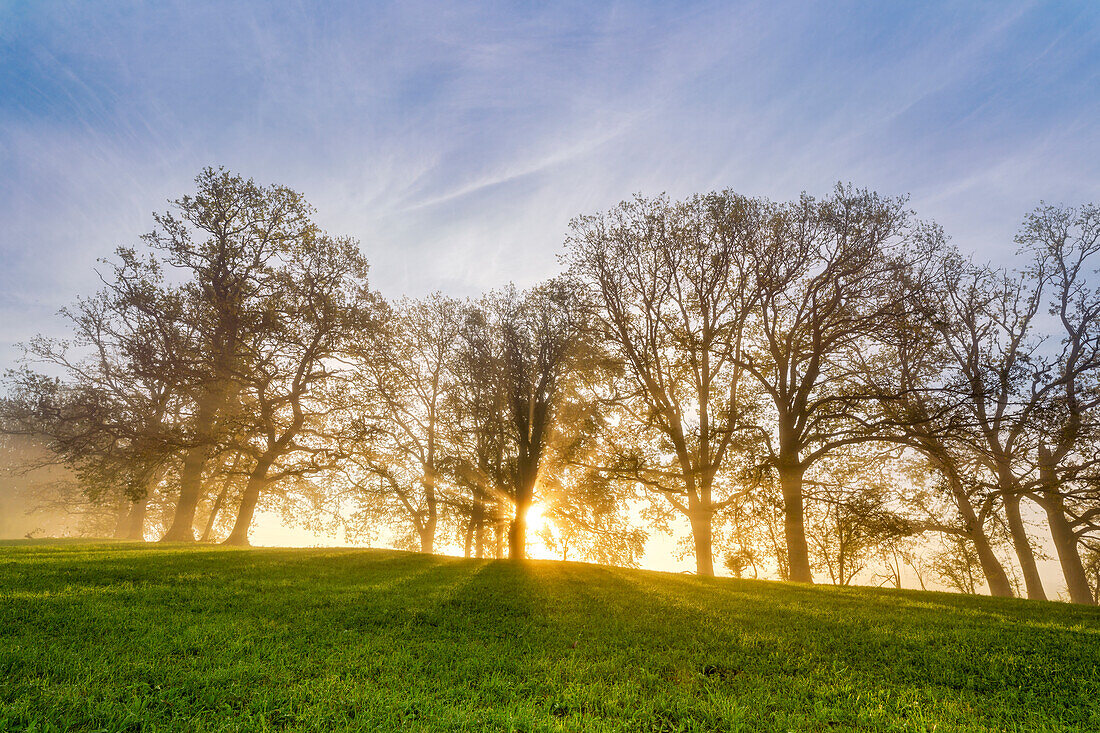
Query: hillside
[129,637]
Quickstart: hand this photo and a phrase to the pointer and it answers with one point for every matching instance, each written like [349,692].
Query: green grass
[125,637]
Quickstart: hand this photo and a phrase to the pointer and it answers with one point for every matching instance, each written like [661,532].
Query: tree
[922,408]
[899,553]
[855,492]
[113,414]
[985,319]
[322,306]
[405,383]
[748,535]
[957,565]
[541,346]
[159,374]
[1091,560]
[585,511]
[1028,395]
[827,277]
[585,519]
[961,481]
[671,292]
[479,467]
[1064,381]
[226,240]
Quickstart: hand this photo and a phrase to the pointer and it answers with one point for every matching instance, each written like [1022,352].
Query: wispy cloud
[457,140]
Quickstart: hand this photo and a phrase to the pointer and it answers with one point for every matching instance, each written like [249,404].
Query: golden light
[535,519]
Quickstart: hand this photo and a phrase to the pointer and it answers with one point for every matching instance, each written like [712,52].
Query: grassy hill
[127,637]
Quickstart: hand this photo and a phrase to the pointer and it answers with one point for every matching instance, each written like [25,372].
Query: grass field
[122,637]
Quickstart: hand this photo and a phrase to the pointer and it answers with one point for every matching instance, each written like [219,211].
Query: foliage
[820,385]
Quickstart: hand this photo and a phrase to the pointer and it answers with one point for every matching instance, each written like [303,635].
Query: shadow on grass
[333,638]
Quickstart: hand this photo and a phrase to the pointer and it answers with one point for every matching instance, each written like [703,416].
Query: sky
[457,140]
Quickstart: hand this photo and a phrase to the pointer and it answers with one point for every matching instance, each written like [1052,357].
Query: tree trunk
[191,488]
[182,529]
[992,568]
[427,536]
[840,564]
[794,522]
[479,538]
[700,518]
[427,533]
[214,511]
[121,517]
[1061,531]
[995,575]
[1020,542]
[477,522]
[257,480]
[517,533]
[468,538]
[1069,555]
[525,494]
[135,520]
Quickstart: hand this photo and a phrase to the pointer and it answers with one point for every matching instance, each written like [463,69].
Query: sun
[536,521]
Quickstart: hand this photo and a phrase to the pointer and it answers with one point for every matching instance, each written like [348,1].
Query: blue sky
[456,140]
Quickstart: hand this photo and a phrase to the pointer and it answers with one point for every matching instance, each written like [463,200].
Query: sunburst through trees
[820,388]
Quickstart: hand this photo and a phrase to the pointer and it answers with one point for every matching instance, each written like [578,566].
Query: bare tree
[1065,382]
[405,382]
[323,306]
[671,291]
[541,346]
[827,276]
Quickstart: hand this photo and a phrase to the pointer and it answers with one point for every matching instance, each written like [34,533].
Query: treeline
[821,386]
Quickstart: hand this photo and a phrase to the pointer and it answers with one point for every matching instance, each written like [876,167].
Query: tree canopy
[822,387]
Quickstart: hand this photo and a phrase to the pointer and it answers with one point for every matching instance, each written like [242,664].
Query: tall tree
[405,380]
[671,292]
[113,413]
[321,306]
[479,466]
[985,318]
[1065,381]
[541,346]
[827,276]
[921,409]
[226,241]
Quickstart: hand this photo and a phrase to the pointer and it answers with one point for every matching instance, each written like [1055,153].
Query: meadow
[131,637]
